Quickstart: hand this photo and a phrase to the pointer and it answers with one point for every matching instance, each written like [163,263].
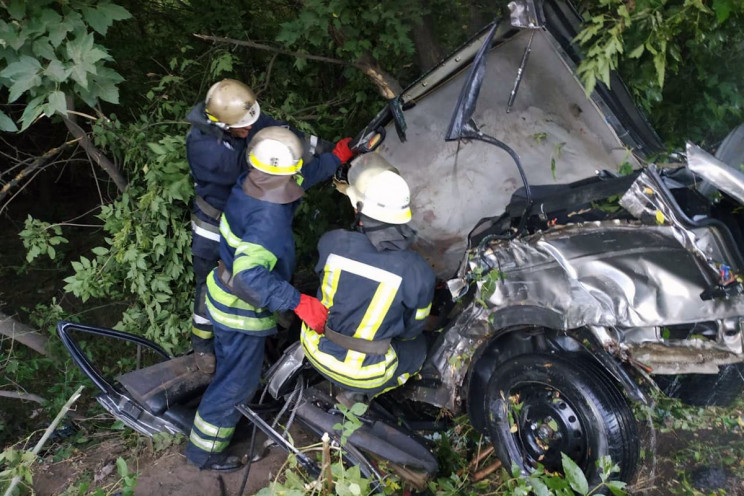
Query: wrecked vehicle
[589,289]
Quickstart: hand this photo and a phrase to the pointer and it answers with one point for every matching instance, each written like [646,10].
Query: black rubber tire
[720,389]
[568,404]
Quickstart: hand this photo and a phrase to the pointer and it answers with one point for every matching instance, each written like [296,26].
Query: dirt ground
[165,472]
[693,462]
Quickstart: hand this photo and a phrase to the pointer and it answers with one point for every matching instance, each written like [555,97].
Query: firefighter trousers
[239,358]
[201,327]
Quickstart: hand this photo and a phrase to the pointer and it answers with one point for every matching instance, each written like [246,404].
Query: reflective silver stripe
[198,319]
[207,445]
[211,429]
[363,269]
[200,231]
[313,144]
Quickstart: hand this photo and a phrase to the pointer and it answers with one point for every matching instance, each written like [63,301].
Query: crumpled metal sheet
[608,274]
[631,277]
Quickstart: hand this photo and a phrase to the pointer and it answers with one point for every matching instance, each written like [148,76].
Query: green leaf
[95,54]
[56,71]
[574,475]
[33,109]
[100,250]
[617,487]
[6,123]
[538,487]
[103,15]
[637,52]
[49,16]
[77,49]
[722,8]
[17,9]
[121,467]
[358,409]
[58,32]
[102,86]
[57,104]
[23,67]
[43,49]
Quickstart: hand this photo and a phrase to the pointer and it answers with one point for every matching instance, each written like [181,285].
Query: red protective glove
[312,312]
[342,150]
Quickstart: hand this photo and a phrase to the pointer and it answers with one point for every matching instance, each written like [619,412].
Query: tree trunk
[428,50]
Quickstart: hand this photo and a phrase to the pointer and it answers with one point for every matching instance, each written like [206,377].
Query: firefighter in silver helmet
[221,127]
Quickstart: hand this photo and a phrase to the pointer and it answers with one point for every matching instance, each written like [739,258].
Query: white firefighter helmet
[276,150]
[230,103]
[378,191]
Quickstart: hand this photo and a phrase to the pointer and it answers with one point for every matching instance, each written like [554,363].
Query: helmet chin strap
[357,225]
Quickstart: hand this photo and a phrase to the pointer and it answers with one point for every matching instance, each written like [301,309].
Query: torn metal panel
[716,171]
[690,357]
[452,355]
[612,273]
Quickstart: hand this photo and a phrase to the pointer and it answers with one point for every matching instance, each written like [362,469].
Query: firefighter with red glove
[221,127]
[251,282]
[378,291]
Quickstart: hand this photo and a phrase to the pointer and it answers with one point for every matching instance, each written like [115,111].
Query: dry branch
[95,154]
[20,395]
[388,85]
[47,433]
[23,334]
[35,164]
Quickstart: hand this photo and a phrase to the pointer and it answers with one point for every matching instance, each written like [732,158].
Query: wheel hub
[547,426]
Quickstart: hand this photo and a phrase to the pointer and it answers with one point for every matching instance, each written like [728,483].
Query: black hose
[247,470]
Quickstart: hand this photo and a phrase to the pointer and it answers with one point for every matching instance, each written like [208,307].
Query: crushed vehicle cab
[571,289]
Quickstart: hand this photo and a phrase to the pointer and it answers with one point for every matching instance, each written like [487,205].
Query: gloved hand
[312,312]
[342,150]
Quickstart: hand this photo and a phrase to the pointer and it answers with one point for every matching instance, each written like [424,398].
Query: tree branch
[23,334]
[387,84]
[260,46]
[94,154]
[18,395]
[38,162]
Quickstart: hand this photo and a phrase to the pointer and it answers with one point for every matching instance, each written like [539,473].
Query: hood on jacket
[386,236]
[272,188]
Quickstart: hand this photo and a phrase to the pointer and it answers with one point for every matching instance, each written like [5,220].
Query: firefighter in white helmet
[378,291]
[251,283]
[221,126]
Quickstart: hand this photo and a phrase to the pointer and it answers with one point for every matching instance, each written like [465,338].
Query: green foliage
[460,446]
[162,441]
[351,420]
[146,258]
[49,51]
[682,60]
[347,481]
[128,480]
[17,463]
[40,238]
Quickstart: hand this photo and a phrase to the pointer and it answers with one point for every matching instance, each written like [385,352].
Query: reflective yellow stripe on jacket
[227,309]
[352,370]
[233,312]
